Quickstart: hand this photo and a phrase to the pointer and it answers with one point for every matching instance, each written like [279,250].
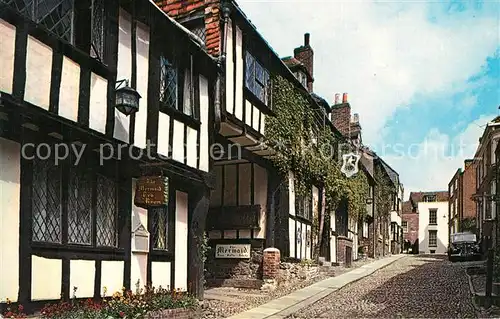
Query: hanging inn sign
[151,191]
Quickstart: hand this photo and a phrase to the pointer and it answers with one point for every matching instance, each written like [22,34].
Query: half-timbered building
[73,152]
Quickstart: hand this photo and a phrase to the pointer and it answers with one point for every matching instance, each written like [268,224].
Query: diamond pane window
[257,78]
[106,212]
[55,15]
[168,83]
[160,227]
[97,32]
[46,201]
[79,208]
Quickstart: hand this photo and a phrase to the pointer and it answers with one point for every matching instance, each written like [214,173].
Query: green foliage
[383,192]
[469,225]
[289,132]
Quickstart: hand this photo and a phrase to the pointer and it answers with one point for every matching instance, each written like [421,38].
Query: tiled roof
[441,196]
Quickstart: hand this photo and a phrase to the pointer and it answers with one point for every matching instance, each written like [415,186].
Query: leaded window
[197,27]
[177,86]
[257,79]
[97,30]
[160,228]
[55,15]
[303,207]
[46,201]
[91,203]
[168,83]
[79,207]
[106,211]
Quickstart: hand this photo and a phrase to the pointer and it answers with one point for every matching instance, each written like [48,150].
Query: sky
[424,76]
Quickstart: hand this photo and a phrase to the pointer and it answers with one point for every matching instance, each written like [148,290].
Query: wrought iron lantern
[127,99]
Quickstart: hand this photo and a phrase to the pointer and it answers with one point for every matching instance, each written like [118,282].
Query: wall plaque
[232,251]
[151,191]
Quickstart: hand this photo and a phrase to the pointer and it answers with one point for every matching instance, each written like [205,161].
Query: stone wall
[245,273]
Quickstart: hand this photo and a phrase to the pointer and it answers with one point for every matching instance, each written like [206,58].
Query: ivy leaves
[312,157]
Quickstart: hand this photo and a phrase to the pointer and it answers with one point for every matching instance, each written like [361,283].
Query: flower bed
[146,303]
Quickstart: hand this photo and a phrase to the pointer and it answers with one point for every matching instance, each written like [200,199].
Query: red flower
[122,314]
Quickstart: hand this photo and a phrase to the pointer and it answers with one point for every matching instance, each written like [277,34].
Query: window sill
[256,101]
[181,117]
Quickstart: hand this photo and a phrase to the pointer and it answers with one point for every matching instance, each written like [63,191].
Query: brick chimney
[305,55]
[341,114]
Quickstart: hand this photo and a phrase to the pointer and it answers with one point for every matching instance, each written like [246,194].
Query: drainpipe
[226,10]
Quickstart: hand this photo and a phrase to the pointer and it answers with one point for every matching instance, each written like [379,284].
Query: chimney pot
[306,39]
[344,98]
[337,98]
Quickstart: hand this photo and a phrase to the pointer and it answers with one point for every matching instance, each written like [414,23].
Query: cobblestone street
[415,286]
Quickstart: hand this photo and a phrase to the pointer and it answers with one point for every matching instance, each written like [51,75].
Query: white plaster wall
[395,218]
[178,142]
[7,50]
[138,271]
[10,188]
[38,73]
[229,68]
[124,71]
[98,103]
[160,274]
[239,75]
[441,227]
[333,249]
[291,193]
[70,90]
[262,123]
[112,276]
[142,59]
[256,118]
[82,275]
[260,189]
[163,133]
[191,139]
[291,232]
[304,241]
[46,278]
[204,127]
[248,113]
[181,240]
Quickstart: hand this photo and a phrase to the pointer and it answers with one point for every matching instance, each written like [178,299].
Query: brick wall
[411,218]
[341,117]
[342,243]
[469,188]
[179,9]
[271,263]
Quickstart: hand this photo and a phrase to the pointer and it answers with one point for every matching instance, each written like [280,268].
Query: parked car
[464,246]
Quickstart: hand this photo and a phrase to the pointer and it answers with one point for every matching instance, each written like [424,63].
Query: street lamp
[127,99]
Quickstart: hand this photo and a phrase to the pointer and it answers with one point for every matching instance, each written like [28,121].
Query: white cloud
[382,54]
[431,164]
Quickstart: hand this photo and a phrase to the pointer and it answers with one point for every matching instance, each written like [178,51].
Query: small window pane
[79,207]
[188,100]
[160,227]
[46,201]
[106,211]
[97,31]
[168,83]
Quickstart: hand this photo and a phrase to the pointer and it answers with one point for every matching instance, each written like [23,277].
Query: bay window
[257,79]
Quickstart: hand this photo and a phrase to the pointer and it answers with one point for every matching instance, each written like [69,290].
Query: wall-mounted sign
[140,240]
[232,251]
[151,191]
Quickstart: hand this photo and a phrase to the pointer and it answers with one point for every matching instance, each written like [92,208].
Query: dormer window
[197,26]
[302,77]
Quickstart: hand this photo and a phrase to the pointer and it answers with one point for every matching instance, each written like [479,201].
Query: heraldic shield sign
[350,164]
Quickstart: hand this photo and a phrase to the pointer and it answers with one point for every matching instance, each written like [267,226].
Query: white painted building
[75,224]
[433,231]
